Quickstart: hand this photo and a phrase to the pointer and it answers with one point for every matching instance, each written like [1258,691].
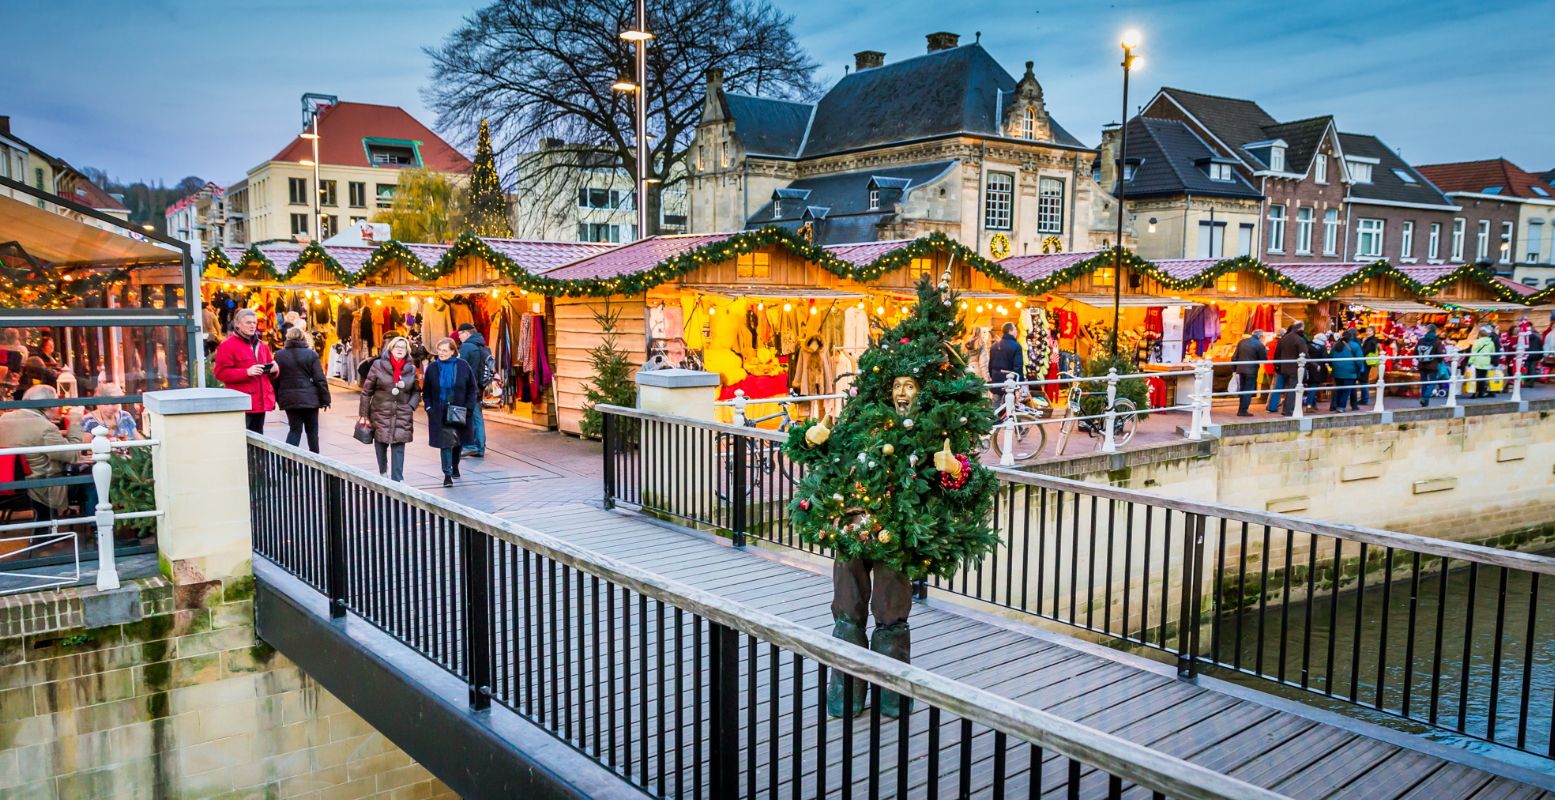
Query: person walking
[244,363]
[1428,356]
[1481,360]
[474,351]
[1348,364]
[390,395]
[1371,355]
[1004,357]
[1249,357]
[1291,346]
[1318,372]
[301,390]
[450,383]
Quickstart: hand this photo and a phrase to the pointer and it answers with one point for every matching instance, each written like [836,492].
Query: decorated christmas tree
[895,478]
[488,206]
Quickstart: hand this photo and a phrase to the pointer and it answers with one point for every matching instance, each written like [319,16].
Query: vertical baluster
[1263,599]
[1409,635]
[1166,573]
[680,704]
[477,601]
[933,785]
[1241,594]
[1468,649]
[1090,566]
[597,674]
[1218,591]
[873,752]
[1529,645]
[796,746]
[820,728]
[1025,547]
[964,770]
[1382,637]
[1355,636]
[999,764]
[1306,642]
[750,716]
[661,716]
[772,719]
[1436,656]
[1128,564]
[1034,782]
[1495,658]
[1112,523]
[1336,573]
[1041,565]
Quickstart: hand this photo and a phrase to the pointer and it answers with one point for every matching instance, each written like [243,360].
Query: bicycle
[1125,419]
[762,457]
[1029,438]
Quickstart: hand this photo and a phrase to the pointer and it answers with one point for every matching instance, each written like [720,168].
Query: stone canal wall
[151,691]
[1480,477]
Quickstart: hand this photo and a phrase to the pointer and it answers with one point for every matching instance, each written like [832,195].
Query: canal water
[1466,665]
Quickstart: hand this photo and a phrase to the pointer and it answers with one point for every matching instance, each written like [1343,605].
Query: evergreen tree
[896,479]
[488,206]
[613,383]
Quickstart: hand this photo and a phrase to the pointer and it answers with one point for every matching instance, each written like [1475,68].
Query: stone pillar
[201,471]
[682,392]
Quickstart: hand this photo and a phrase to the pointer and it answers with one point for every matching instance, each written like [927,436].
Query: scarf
[445,383]
[398,366]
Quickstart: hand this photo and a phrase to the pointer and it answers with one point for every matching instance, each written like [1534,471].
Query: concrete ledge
[419,706]
[196,401]
[1435,485]
[677,378]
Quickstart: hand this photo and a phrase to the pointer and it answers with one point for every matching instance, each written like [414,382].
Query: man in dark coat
[474,351]
[1004,357]
[1292,345]
[1249,357]
[1428,354]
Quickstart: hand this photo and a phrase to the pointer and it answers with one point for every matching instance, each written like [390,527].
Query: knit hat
[466,327]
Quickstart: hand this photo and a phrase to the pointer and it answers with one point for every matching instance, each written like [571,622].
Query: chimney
[943,40]
[715,79]
[867,59]
[1110,135]
[5,125]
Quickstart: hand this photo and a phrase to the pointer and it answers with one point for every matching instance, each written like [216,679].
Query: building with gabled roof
[1396,213]
[947,142]
[361,149]
[1508,214]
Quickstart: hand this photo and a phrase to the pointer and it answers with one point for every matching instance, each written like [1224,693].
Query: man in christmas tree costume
[893,487]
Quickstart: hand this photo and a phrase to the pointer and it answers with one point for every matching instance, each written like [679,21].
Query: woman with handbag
[388,408]
[300,388]
[451,396]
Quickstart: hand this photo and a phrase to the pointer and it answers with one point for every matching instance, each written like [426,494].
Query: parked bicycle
[1125,419]
[1029,439]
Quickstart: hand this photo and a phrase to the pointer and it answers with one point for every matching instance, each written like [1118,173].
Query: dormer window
[392,153]
[1130,167]
[1320,168]
[1220,172]
[1028,123]
[1277,158]
[874,199]
[1360,171]
[1404,176]
[777,209]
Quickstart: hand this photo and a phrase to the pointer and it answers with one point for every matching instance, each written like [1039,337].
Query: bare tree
[542,69]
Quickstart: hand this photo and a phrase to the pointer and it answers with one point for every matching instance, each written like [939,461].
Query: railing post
[739,403]
[1454,373]
[1190,602]
[1203,387]
[609,436]
[1382,378]
[1007,458]
[1300,388]
[102,477]
[1108,443]
[476,560]
[739,483]
[1517,368]
[724,684]
[335,543]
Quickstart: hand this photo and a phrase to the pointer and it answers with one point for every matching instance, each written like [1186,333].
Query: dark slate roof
[769,127]
[945,92]
[1169,154]
[1385,183]
[1235,122]
[844,193]
[1302,139]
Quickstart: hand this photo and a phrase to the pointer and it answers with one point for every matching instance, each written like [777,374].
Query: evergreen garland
[488,206]
[876,484]
[27,283]
[612,383]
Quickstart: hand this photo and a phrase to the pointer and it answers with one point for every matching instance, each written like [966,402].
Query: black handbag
[363,433]
[455,416]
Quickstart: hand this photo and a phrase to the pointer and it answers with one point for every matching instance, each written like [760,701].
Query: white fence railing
[103,517]
[1199,402]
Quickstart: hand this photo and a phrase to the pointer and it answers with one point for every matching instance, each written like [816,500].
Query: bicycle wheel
[1125,422]
[1029,439]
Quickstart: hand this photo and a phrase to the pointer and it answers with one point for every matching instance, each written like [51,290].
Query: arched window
[1028,123]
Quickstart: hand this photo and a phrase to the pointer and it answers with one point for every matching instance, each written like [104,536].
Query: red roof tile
[1522,289]
[1477,176]
[540,256]
[92,196]
[635,257]
[343,126]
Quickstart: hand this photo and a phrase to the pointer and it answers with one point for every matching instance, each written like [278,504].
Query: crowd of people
[446,386]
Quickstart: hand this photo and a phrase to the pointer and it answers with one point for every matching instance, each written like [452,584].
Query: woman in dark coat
[300,388]
[389,399]
[449,382]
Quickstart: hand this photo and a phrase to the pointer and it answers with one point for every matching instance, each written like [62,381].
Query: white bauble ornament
[907,423]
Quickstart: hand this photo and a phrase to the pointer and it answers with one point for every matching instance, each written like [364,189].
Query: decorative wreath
[999,246]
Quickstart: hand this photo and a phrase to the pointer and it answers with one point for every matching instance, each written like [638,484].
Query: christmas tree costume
[893,486]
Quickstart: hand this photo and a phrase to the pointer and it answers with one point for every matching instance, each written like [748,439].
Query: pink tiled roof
[350,257]
[428,253]
[863,253]
[1522,289]
[635,257]
[1034,268]
[1318,276]
[540,256]
[1184,268]
[1425,273]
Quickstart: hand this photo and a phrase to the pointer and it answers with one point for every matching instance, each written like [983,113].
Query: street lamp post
[318,220]
[1130,41]
[639,36]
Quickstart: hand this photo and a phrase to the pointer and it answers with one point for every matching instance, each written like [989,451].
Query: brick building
[1508,216]
[1394,212]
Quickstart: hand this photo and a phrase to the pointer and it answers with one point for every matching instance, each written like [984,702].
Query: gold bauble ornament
[887,449]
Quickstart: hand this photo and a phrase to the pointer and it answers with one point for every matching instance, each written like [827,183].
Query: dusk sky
[167,88]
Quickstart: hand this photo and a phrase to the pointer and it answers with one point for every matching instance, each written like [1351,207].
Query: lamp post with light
[313,137]
[1130,41]
[639,36]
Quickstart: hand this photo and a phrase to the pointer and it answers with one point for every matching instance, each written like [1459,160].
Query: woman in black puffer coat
[300,388]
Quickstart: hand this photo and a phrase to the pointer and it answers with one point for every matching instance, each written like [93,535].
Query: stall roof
[540,256]
[56,239]
[862,253]
[1318,276]
[635,257]
[1035,268]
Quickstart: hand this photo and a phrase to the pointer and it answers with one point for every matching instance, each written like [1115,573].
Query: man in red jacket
[243,363]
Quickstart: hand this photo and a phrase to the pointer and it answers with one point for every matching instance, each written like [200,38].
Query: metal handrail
[1149,768]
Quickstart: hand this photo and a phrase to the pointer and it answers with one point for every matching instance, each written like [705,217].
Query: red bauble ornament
[949,481]
[906,340]
[804,505]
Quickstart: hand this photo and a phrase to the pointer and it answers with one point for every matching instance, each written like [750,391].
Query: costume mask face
[903,391]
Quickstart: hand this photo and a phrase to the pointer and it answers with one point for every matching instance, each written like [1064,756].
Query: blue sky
[167,88]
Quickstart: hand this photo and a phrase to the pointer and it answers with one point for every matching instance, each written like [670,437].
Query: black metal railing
[1452,636]
[678,691]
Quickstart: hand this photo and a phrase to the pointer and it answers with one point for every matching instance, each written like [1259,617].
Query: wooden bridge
[688,667]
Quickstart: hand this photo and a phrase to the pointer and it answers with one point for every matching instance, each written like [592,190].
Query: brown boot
[851,631]
[894,641]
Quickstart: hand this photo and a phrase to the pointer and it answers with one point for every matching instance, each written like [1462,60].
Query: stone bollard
[681,470]
[682,392]
[201,471]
